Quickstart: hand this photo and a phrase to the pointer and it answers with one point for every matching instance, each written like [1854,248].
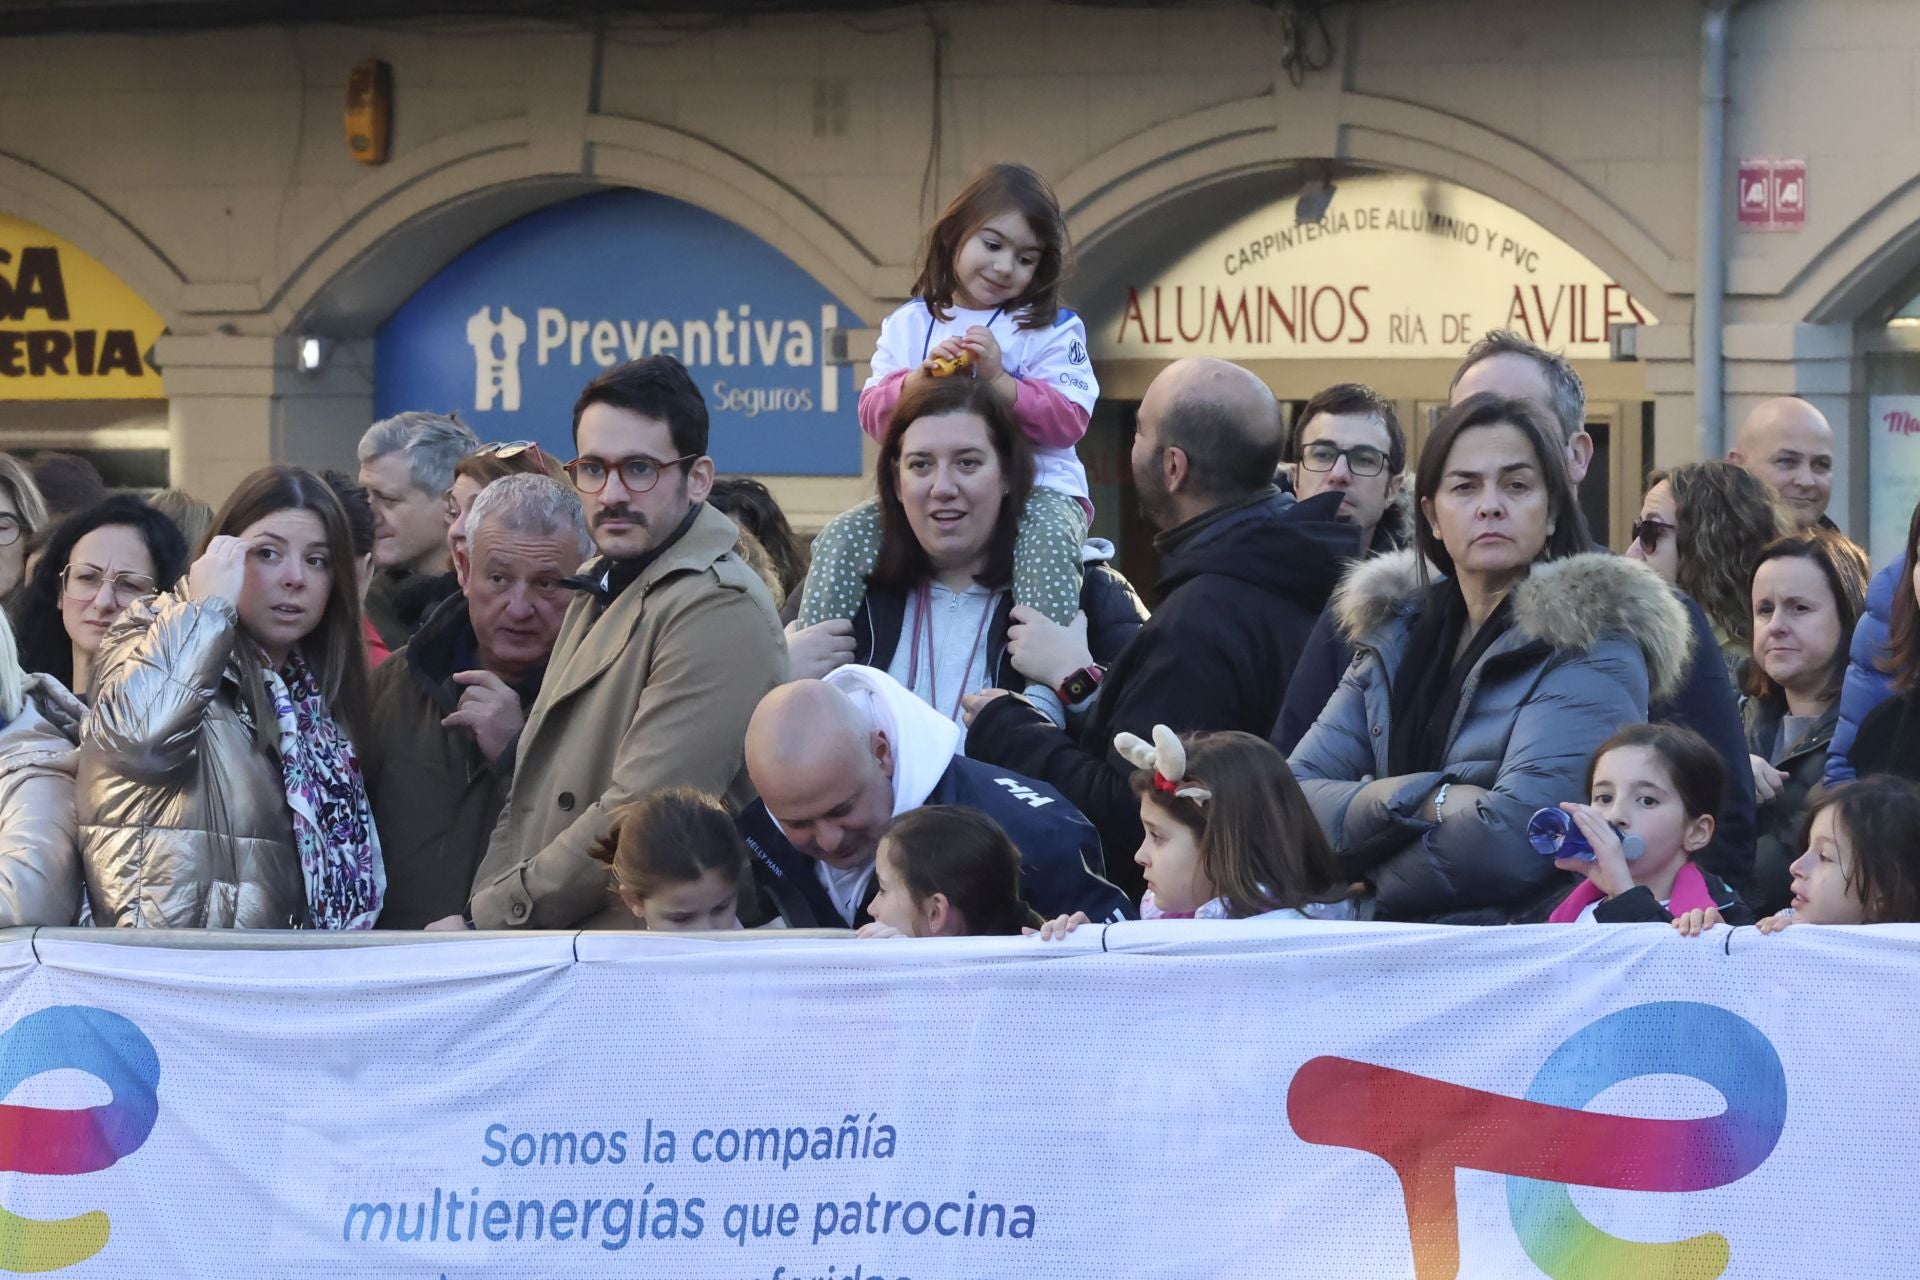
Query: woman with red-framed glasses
[1702,527]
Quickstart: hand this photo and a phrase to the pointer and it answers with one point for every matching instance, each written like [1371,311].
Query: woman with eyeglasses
[219,786]
[93,566]
[1702,527]
[23,513]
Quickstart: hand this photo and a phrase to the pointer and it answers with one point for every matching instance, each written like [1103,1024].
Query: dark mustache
[620,513]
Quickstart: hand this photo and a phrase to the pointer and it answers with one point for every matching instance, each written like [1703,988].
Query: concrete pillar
[237,402]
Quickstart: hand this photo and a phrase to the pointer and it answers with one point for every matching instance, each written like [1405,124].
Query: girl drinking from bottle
[986,306]
[1653,792]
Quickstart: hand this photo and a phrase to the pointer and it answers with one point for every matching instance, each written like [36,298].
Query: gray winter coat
[1592,636]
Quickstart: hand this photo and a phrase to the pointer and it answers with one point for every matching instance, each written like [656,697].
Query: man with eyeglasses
[1348,440]
[659,663]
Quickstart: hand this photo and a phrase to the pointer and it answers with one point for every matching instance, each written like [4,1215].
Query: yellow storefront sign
[69,329]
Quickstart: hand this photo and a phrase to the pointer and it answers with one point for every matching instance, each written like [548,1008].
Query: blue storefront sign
[513,328]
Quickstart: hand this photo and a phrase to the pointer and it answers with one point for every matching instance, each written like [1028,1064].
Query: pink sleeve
[1047,417]
[878,402]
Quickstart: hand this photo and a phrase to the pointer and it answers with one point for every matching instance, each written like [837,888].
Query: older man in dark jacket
[1245,571]
[448,708]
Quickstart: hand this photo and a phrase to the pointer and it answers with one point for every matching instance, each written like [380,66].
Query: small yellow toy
[943,367]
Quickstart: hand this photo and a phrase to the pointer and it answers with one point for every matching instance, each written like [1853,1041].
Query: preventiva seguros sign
[510,331]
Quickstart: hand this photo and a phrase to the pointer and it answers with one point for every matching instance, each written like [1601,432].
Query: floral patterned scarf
[332,822]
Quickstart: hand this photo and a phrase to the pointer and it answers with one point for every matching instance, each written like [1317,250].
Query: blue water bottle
[1553,834]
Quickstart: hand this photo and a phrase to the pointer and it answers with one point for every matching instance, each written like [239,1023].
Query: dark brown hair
[1879,815]
[1902,658]
[1260,845]
[752,506]
[673,836]
[1690,759]
[1001,188]
[903,564]
[655,386]
[334,649]
[1569,536]
[1345,398]
[963,854]
[1723,516]
[1844,566]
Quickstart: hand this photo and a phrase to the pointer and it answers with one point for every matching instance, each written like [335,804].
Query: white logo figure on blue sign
[496,377]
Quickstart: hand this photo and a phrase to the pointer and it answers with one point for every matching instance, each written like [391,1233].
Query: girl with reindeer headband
[1229,836]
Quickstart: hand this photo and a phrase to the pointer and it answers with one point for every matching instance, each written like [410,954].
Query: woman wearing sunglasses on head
[1702,527]
[94,565]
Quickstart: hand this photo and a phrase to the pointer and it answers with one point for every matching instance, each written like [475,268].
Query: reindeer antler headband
[1166,759]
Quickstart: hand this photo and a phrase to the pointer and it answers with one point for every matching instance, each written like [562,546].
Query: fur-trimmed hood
[1568,604]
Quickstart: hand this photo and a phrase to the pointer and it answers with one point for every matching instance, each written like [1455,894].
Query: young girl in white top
[1229,835]
[986,305]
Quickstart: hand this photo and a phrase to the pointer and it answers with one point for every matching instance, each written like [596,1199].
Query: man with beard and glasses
[658,665]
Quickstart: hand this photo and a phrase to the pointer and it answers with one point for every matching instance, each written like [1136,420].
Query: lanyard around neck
[926,343]
[923,625]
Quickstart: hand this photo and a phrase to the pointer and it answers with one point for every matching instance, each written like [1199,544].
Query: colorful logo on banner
[1428,1129]
[68,1141]
[511,330]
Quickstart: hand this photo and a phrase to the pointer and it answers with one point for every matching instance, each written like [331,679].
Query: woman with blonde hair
[219,785]
[23,515]
[39,857]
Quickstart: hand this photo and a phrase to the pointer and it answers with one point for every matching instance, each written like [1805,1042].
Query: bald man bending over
[1244,571]
[836,760]
[1788,444]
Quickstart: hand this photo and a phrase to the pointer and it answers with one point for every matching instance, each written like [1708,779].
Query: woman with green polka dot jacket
[953,477]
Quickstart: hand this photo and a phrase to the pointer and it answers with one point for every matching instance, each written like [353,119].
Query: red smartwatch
[1079,686]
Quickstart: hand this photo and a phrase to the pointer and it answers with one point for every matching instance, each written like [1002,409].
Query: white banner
[1148,1100]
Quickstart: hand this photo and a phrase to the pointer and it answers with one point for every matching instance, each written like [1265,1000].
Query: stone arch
[359,258]
[1871,268]
[39,195]
[1246,138]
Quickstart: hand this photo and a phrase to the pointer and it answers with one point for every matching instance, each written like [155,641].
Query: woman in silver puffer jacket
[217,785]
[39,860]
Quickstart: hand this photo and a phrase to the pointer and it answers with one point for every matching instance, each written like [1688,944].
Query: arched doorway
[1313,273]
